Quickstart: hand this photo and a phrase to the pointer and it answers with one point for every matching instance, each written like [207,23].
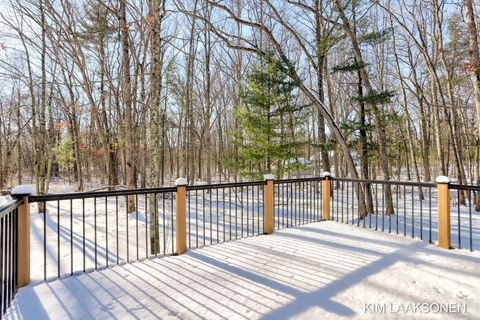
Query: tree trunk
[474,50]
[129,125]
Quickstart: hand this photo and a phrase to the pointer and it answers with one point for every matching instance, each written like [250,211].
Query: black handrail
[464,187]
[390,182]
[100,194]
[6,209]
[293,180]
[225,185]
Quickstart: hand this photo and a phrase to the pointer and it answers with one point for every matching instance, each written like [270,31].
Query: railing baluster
[146,225]
[189,214]
[302,193]
[258,210]
[354,196]
[8,268]
[430,215]
[196,218]
[470,218]
[383,207]
[45,241]
[376,206]
[351,209]
[390,218]
[10,285]
[106,231]
[289,201]
[136,224]
[116,228]
[320,198]
[164,227]
[404,210]
[370,213]
[229,214]
[365,195]
[127,229]
[241,211]
[14,214]
[248,215]
[203,215]
[458,220]
[396,209]
[236,214]
[421,216]
[413,213]
[337,187]
[172,225]
[348,202]
[58,240]
[2,270]
[71,237]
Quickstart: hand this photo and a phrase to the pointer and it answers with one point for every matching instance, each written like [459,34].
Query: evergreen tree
[270,135]
[64,153]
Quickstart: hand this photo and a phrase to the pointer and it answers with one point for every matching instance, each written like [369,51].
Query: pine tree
[64,153]
[270,135]
[361,127]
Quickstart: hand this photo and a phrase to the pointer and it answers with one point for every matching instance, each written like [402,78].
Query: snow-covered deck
[322,270]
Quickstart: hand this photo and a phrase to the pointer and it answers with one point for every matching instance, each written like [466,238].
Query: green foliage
[329,145]
[270,120]
[96,24]
[64,152]
[375,37]
[348,66]
[376,97]
[458,39]
[352,126]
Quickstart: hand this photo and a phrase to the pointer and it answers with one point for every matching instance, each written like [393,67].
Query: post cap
[24,190]
[269,176]
[442,179]
[181,182]
[326,174]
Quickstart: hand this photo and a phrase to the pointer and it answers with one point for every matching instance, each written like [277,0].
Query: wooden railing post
[268,206]
[181,220]
[23,234]
[326,191]
[444,235]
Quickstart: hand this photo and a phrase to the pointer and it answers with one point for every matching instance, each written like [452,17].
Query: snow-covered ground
[324,270]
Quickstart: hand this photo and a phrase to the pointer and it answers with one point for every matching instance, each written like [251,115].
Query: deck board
[324,270]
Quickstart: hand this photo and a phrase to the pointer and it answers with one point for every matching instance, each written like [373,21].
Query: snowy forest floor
[324,270]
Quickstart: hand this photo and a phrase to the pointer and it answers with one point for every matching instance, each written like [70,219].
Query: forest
[138,93]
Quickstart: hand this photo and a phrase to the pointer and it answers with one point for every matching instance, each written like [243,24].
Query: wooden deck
[324,270]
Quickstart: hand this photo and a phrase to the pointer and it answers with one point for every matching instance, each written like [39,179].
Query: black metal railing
[76,232]
[8,254]
[222,212]
[465,228]
[297,201]
[412,210]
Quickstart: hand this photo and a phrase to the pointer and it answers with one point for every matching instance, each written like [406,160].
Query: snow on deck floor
[324,270]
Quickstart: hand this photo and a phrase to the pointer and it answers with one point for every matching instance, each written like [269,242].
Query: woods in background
[141,92]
